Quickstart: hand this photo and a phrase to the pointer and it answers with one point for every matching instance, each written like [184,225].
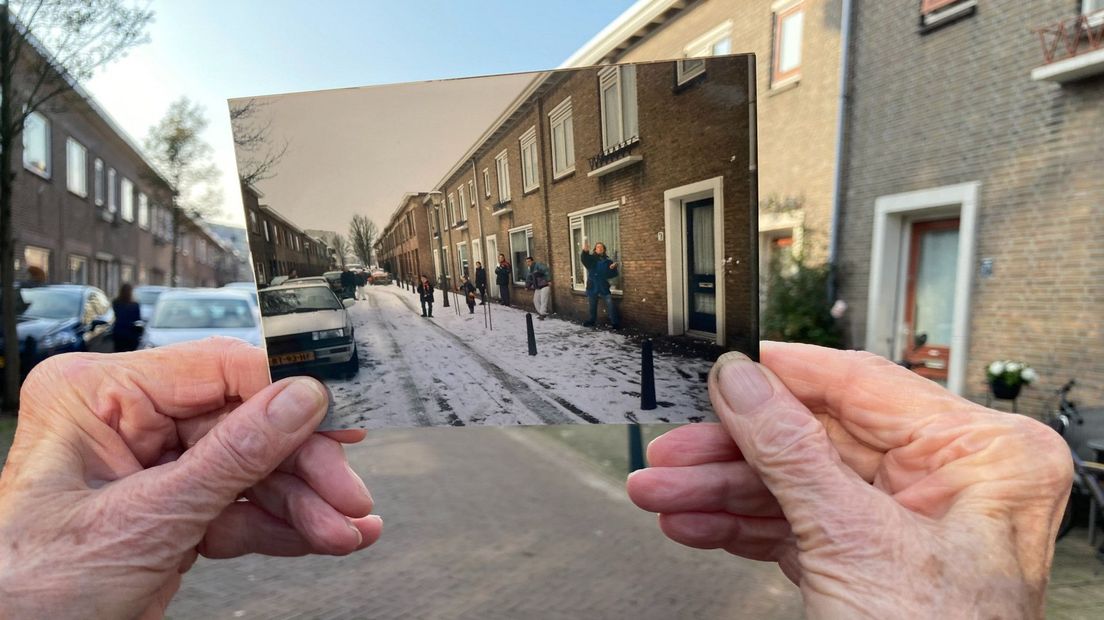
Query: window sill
[784,85]
[529,190]
[564,174]
[502,211]
[83,196]
[624,162]
[938,19]
[38,173]
[1071,69]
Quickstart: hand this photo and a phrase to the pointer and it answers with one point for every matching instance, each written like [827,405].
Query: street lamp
[436,198]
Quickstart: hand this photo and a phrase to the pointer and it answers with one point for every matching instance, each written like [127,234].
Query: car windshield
[147,297]
[300,299]
[50,303]
[198,313]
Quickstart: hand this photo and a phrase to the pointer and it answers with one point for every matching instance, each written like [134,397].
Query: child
[468,289]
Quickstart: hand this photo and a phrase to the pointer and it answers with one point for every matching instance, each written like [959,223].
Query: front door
[701,267]
[929,299]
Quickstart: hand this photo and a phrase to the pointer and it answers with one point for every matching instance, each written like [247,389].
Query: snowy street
[452,370]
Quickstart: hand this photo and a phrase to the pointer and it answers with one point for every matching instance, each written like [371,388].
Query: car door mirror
[348,303]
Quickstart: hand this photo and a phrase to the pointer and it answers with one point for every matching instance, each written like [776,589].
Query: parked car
[60,318]
[311,279]
[192,314]
[380,277]
[334,278]
[146,296]
[252,286]
[308,330]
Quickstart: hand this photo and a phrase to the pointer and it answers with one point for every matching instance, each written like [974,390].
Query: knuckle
[242,455]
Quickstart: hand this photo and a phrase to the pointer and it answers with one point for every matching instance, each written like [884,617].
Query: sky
[215,50]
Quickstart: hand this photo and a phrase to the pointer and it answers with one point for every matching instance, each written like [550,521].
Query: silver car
[307,329]
[183,314]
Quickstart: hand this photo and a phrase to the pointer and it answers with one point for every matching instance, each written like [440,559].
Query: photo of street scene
[570,246]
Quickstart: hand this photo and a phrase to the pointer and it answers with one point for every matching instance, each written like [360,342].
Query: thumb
[240,451]
[784,444]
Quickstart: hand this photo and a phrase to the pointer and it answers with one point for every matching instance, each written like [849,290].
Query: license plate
[291,358]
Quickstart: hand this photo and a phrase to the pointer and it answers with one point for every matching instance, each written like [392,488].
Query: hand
[586,246]
[878,492]
[125,467]
[613,266]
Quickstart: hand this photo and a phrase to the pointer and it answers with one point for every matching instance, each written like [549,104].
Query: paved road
[481,524]
[470,369]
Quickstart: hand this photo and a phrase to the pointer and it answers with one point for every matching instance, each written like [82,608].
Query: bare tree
[46,48]
[340,245]
[257,153]
[362,236]
[177,146]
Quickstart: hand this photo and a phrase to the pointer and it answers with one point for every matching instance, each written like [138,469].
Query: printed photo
[564,247]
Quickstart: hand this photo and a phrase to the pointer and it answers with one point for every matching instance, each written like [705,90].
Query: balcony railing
[613,153]
[1071,37]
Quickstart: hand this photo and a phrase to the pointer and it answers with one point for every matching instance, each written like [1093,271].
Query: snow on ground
[453,370]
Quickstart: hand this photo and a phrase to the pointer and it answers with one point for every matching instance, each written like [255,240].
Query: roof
[207,293]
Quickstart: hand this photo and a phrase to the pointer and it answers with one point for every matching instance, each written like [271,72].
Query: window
[36,144]
[716,42]
[112,200]
[463,196]
[617,88]
[599,224]
[78,269]
[76,168]
[253,221]
[528,141]
[521,246]
[126,274]
[143,211]
[451,213]
[486,183]
[788,24]
[563,139]
[98,181]
[126,188]
[471,192]
[462,254]
[931,6]
[37,258]
[267,237]
[502,171]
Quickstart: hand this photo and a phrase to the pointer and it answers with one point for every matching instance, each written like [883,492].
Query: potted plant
[1007,378]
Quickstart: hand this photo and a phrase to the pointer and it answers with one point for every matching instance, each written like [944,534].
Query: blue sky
[212,50]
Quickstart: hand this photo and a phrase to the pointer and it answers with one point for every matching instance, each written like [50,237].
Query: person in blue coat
[128,313]
[600,270]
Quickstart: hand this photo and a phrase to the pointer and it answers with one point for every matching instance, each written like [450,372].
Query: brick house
[404,249]
[278,247]
[89,208]
[654,163]
[973,217]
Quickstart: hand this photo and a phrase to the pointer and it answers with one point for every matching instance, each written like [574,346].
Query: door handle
[705,285]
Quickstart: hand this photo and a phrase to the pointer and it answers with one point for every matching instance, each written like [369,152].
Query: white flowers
[1011,372]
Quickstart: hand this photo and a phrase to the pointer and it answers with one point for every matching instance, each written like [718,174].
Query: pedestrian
[128,313]
[503,273]
[425,294]
[362,284]
[540,282]
[600,269]
[294,274]
[468,289]
[481,282]
[348,284]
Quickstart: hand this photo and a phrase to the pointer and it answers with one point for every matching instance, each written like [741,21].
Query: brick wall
[957,105]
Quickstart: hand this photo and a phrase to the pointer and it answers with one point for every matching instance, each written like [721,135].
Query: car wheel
[351,367]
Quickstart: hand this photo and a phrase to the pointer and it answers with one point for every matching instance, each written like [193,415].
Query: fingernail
[299,403]
[360,481]
[378,519]
[352,526]
[742,383]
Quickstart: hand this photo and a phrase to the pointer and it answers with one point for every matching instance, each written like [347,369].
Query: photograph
[580,255]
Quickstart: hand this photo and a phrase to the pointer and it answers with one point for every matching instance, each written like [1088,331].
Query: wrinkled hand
[878,492]
[125,467]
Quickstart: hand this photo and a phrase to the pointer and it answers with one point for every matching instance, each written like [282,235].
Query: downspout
[546,187]
[841,128]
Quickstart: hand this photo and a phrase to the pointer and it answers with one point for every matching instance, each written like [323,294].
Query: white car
[308,330]
[193,314]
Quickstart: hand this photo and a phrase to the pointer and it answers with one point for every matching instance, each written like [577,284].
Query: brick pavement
[480,525]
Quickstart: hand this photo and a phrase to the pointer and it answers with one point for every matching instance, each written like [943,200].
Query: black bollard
[530,334]
[647,378]
[636,448]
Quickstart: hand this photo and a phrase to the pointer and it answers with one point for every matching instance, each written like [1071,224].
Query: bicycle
[1070,424]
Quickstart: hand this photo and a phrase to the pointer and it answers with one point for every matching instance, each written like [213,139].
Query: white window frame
[477,253]
[98,182]
[43,172]
[486,183]
[576,219]
[143,211]
[112,195]
[462,198]
[126,200]
[76,173]
[628,124]
[561,116]
[783,10]
[451,213]
[502,174]
[471,192]
[462,257]
[528,229]
[700,48]
[529,170]
[75,259]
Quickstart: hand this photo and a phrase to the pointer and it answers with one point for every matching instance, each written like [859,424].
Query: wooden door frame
[916,231]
